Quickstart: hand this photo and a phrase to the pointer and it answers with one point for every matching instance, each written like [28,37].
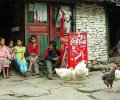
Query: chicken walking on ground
[108,78]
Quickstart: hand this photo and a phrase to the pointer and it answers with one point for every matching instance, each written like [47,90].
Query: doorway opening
[11,19]
[114,25]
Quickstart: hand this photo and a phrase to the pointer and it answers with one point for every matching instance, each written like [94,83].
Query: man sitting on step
[52,58]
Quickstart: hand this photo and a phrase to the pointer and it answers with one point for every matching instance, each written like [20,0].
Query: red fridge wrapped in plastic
[73,49]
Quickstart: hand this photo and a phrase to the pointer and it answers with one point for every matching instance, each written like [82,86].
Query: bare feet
[4,77]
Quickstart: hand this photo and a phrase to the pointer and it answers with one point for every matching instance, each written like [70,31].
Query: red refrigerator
[73,48]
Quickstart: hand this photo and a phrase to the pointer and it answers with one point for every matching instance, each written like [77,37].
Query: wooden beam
[51,22]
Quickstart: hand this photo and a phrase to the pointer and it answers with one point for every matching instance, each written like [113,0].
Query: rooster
[108,78]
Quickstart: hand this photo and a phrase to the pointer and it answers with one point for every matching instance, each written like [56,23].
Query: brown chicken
[109,78]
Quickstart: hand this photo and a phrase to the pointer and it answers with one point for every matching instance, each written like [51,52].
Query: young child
[11,49]
[13,64]
[52,57]
[33,50]
[19,56]
[4,58]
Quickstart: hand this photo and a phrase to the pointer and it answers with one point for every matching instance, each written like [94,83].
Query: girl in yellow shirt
[19,56]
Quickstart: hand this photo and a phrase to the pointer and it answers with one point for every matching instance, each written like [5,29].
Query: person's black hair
[10,41]
[33,36]
[19,38]
[1,38]
[118,41]
[53,43]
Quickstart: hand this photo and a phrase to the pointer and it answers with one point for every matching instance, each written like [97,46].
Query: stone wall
[91,18]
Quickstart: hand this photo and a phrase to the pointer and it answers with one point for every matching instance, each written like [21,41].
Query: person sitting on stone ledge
[4,58]
[52,58]
[20,58]
[33,50]
[115,51]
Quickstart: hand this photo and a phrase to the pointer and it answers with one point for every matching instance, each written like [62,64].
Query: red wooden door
[38,23]
[42,21]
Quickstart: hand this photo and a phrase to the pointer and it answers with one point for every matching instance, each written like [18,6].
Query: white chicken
[80,70]
[64,73]
[117,74]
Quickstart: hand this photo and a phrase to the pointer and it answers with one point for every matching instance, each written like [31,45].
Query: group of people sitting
[14,57]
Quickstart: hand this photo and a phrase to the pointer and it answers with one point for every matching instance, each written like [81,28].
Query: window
[37,13]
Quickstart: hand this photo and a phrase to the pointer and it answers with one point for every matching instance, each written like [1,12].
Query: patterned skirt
[4,63]
[31,59]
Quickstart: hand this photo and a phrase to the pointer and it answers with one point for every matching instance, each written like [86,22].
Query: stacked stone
[91,18]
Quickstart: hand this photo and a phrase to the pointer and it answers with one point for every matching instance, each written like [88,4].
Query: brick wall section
[91,18]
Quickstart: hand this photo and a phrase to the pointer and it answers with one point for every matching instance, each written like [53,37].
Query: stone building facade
[92,19]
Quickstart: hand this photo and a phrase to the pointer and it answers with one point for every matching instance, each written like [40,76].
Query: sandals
[8,77]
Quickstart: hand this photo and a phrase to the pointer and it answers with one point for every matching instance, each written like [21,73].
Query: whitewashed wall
[91,18]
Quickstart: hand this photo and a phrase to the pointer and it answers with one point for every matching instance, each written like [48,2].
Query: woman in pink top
[4,58]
